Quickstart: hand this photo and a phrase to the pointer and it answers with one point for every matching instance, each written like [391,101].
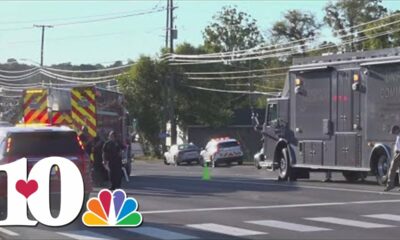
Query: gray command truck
[334,114]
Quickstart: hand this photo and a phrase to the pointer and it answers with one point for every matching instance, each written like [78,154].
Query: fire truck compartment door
[313,105]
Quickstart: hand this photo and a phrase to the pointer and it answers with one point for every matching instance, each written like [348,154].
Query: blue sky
[125,38]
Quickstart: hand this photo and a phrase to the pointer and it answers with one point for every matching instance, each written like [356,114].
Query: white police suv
[222,150]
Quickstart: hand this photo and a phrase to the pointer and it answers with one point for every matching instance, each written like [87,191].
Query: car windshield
[44,144]
[187,147]
[228,144]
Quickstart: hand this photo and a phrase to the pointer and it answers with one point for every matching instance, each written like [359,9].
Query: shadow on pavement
[189,186]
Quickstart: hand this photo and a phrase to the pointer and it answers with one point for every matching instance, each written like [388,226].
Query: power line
[110,18]
[275,94]
[92,20]
[284,54]
[236,72]
[90,71]
[80,78]
[18,71]
[18,78]
[236,78]
[63,79]
[253,51]
[68,18]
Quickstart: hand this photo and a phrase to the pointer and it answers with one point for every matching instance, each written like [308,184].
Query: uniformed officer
[112,157]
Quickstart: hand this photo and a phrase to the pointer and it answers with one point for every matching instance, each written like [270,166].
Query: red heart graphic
[26,188]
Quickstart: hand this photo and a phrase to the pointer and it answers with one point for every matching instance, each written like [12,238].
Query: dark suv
[36,143]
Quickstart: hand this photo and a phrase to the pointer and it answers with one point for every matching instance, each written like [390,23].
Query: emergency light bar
[34,91]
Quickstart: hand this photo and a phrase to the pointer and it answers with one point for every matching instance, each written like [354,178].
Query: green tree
[142,89]
[296,25]
[195,106]
[230,30]
[382,37]
[343,15]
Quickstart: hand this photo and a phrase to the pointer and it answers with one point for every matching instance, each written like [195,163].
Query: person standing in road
[394,165]
[99,172]
[84,137]
[112,157]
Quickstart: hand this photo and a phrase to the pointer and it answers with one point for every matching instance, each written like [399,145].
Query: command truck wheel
[382,167]
[351,176]
[284,165]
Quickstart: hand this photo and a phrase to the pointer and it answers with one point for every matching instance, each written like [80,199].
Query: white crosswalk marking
[288,226]
[8,232]
[85,235]
[159,233]
[223,229]
[349,222]
[390,217]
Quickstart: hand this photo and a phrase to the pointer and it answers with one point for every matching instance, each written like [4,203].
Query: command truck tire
[352,176]
[381,169]
[284,166]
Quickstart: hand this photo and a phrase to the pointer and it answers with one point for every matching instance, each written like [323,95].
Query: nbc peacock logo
[112,209]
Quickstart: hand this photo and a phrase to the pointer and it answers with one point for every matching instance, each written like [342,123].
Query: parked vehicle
[37,143]
[180,153]
[97,109]
[335,114]
[222,150]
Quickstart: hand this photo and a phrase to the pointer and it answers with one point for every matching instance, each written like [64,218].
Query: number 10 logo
[33,191]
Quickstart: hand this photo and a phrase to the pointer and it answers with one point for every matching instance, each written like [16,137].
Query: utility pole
[41,48]
[167,26]
[49,108]
[172,36]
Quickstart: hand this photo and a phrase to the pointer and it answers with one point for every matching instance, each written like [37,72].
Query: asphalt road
[240,202]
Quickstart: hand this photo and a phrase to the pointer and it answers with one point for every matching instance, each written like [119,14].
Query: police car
[222,150]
